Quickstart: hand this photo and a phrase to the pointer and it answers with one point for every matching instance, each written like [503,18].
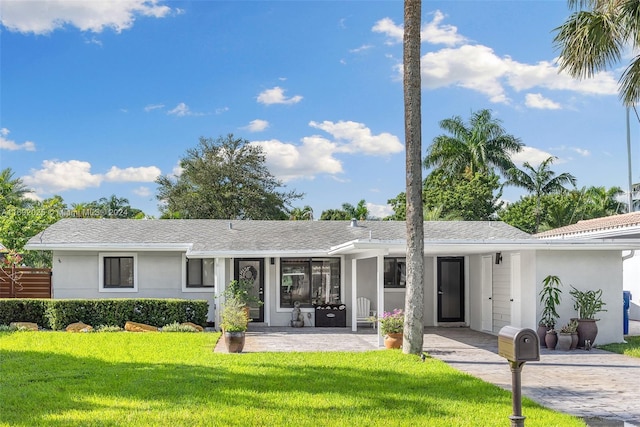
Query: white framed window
[118,272]
[198,274]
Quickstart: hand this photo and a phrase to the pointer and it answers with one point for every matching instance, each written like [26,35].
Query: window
[395,272]
[117,272]
[309,281]
[200,273]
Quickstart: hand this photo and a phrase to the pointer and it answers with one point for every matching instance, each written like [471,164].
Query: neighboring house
[623,227]
[483,275]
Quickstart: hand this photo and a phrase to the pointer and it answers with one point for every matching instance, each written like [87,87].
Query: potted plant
[587,304]
[234,325]
[564,338]
[241,291]
[392,326]
[549,299]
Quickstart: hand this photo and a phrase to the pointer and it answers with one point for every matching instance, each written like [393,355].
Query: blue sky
[99,98]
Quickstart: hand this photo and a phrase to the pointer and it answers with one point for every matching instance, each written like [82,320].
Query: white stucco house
[483,275]
[624,228]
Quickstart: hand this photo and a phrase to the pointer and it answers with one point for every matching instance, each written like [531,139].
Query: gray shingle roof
[257,236]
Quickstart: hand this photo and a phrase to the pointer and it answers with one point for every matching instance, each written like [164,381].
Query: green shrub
[24,310]
[8,328]
[178,327]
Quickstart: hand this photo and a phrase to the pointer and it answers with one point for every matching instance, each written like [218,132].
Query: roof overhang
[151,247]
[435,247]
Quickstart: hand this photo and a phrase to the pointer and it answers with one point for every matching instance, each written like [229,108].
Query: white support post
[380,292]
[354,295]
[219,286]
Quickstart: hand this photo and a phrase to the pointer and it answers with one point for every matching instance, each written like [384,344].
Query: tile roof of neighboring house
[258,236]
[610,225]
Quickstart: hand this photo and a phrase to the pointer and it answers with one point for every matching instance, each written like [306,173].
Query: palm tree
[114,206]
[597,36]
[479,146]
[604,202]
[301,214]
[539,182]
[360,211]
[414,296]
[12,190]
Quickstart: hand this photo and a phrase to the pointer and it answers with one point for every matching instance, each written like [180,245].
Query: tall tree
[12,190]
[597,36]
[479,146]
[301,214]
[540,181]
[225,178]
[414,297]
[359,211]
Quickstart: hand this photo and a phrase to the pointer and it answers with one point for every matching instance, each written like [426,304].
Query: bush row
[57,314]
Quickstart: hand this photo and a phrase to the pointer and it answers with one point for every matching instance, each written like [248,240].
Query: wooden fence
[25,282]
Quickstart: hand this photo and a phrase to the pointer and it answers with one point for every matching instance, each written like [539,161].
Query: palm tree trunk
[414,301]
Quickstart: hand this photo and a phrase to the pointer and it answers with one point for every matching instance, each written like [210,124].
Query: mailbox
[518,344]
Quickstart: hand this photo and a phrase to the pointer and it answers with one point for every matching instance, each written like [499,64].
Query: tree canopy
[482,145]
[224,178]
[598,35]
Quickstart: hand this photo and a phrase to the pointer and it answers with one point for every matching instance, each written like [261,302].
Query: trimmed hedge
[57,314]
[24,310]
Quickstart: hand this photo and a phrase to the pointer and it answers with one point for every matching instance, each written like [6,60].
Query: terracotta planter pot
[234,341]
[574,341]
[551,339]
[393,340]
[564,342]
[587,330]
[542,332]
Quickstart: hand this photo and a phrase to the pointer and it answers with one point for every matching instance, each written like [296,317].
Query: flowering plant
[392,322]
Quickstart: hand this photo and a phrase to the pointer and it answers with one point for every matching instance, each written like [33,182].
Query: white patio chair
[364,312]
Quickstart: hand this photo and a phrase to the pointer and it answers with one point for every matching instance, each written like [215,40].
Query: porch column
[354,295]
[219,286]
[380,292]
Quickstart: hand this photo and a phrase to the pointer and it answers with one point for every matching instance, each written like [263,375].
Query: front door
[253,270]
[451,289]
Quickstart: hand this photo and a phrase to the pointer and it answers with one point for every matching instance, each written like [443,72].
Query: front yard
[174,379]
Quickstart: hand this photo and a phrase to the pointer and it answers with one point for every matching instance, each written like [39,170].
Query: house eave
[147,247]
[434,247]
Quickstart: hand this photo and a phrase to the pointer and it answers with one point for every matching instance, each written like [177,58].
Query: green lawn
[631,348]
[174,379]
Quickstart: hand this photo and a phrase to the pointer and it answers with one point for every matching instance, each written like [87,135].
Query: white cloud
[317,155]
[177,169]
[355,137]
[379,211]
[43,17]
[433,32]
[288,161]
[386,26]
[257,125]
[182,110]
[533,156]
[276,96]
[536,100]
[361,48]
[7,144]
[222,110]
[131,174]
[583,152]
[152,107]
[479,68]
[60,176]
[55,176]
[142,191]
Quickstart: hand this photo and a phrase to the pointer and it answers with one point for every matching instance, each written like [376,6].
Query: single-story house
[483,275]
[623,227]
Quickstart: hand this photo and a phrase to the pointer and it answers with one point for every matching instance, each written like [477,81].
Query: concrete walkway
[600,386]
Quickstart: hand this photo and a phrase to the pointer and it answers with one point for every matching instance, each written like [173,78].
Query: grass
[122,379]
[631,348]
